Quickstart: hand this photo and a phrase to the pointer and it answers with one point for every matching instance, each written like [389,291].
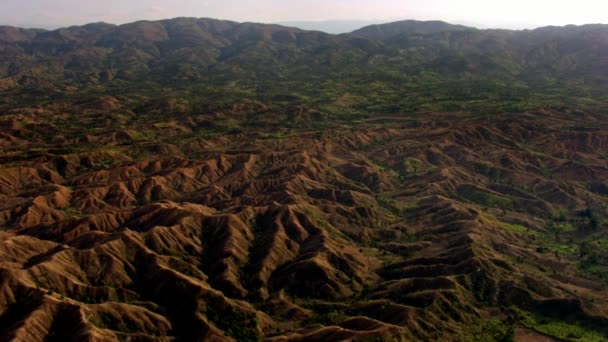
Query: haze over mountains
[332,26]
[197,179]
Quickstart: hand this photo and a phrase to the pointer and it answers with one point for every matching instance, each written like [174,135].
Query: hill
[385,31]
[421,65]
[331,26]
[196,179]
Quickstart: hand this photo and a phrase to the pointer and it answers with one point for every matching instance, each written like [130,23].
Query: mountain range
[205,180]
[233,56]
[332,26]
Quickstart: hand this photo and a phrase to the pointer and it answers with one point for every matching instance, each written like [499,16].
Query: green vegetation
[330,317]
[515,228]
[105,321]
[275,136]
[592,258]
[236,323]
[548,242]
[593,221]
[412,166]
[326,74]
[488,199]
[602,244]
[388,206]
[74,213]
[105,164]
[491,330]
[317,217]
[566,331]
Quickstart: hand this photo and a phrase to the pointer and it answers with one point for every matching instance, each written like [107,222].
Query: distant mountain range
[352,26]
[332,26]
[384,31]
[233,56]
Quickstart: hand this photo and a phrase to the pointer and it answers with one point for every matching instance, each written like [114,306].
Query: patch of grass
[547,243]
[567,331]
[413,167]
[389,258]
[143,136]
[107,322]
[318,217]
[105,164]
[74,213]
[592,261]
[387,205]
[275,136]
[236,323]
[488,199]
[593,269]
[566,227]
[515,228]
[328,318]
[602,244]
[161,125]
[488,330]
[562,248]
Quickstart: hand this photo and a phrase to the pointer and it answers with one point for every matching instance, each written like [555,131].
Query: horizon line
[52,27]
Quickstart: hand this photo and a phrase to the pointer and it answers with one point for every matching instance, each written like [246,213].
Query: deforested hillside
[197,179]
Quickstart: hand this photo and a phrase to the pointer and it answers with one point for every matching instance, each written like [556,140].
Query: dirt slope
[399,227]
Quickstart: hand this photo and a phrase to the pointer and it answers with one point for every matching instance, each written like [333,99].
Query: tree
[556,229]
[589,253]
[585,249]
[595,222]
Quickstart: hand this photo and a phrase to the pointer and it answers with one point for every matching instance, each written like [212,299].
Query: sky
[480,13]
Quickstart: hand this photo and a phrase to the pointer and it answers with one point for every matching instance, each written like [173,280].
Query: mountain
[385,31]
[187,52]
[332,26]
[197,179]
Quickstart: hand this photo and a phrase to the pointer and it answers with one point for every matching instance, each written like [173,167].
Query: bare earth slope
[403,227]
[204,180]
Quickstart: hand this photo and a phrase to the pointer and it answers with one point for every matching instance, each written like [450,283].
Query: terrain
[332,26]
[194,179]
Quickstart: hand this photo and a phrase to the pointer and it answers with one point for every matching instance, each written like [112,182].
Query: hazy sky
[482,13]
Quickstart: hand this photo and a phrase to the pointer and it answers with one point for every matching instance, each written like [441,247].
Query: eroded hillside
[212,226]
